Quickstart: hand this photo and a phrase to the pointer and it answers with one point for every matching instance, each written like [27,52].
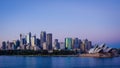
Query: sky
[96,20]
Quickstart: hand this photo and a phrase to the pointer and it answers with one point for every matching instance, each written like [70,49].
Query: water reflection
[58,62]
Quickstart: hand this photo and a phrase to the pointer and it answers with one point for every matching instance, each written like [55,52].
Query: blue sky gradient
[97,20]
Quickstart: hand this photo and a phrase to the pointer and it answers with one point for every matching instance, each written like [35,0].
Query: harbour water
[58,62]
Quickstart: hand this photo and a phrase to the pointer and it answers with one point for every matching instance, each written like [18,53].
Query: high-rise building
[73,42]
[49,41]
[12,46]
[86,45]
[38,43]
[43,37]
[23,40]
[44,46]
[89,45]
[68,43]
[62,45]
[17,44]
[29,38]
[32,41]
[76,43]
[56,44]
[4,45]
[80,43]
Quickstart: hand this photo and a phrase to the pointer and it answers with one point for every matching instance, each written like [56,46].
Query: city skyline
[97,21]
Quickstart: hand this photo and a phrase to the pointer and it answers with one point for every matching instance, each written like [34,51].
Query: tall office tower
[73,42]
[28,38]
[17,44]
[89,45]
[12,46]
[32,41]
[24,42]
[62,45]
[85,45]
[20,37]
[49,41]
[38,43]
[80,43]
[35,41]
[76,43]
[21,40]
[4,45]
[44,46]
[56,44]
[8,45]
[82,47]
[68,43]
[43,37]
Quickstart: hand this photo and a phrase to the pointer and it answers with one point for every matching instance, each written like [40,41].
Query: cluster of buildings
[45,42]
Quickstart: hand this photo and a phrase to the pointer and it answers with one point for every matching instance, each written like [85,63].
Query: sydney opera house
[100,49]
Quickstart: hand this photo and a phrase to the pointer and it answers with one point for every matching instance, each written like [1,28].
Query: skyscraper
[86,45]
[68,43]
[49,41]
[56,44]
[76,43]
[29,38]
[4,45]
[32,41]
[38,42]
[20,36]
[17,44]
[62,45]
[43,37]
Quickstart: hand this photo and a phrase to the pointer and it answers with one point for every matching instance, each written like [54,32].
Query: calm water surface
[58,62]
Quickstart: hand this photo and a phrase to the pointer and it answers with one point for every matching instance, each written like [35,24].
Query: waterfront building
[68,43]
[32,41]
[62,46]
[73,42]
[21,40]
[100,49]
[44,46]
[38,43]
[12,46]
[76,43]
[4,45]
[49,41]
[89,45]
[43,37]
[56,44]
[17,44]
[28,38]
[86,45]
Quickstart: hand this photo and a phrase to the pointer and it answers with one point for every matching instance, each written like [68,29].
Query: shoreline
[80,55]
[45,55]
[99,55]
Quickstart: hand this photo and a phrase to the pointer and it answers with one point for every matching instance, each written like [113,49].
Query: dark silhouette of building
[49,41]
[56,44]
[76,43]
[38,43]
[4,45]
[43,37]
